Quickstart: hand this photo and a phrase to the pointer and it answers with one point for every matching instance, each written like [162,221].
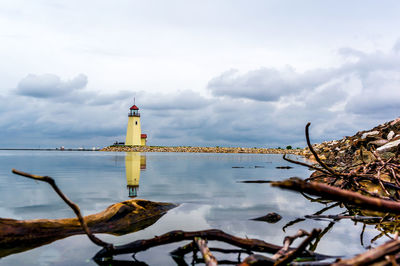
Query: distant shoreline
[201,149]
[44,149]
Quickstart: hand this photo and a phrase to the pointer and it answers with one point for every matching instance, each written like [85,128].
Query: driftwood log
[178,235]
[337,194]
[379,255]
[247,244]
[118,219]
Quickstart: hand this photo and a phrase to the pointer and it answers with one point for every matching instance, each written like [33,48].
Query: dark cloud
[49,85]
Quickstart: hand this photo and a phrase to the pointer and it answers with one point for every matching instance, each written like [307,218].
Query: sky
[203,73]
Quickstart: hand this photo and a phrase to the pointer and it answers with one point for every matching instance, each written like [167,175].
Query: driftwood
[337,194]
[291,255]
[379,253]
[182,251]
[287,242]
[340,217]
[177,236]
[118,219]
[246,244]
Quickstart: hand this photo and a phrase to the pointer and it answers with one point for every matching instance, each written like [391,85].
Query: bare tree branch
[72,205]
[208,257]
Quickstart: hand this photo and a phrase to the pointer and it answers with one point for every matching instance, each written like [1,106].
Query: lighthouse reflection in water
[134,163]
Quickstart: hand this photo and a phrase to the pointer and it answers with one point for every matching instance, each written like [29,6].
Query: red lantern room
[134,111]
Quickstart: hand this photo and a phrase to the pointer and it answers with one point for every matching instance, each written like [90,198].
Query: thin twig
[305,164]
[378,176]
[362,235]
[340,217]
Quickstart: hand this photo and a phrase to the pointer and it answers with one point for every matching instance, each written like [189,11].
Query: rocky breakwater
[368,162]
[201,149]
[362,147]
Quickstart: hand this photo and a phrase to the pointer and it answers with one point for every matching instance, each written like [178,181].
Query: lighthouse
[134,134]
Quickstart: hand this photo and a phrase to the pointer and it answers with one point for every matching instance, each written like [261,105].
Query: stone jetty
[200,149]
[384,139]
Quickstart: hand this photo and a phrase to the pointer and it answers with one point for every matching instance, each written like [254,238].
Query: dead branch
[177,236]
[208,257]
[314,245]
[304,164]
[182,251]
[373,255]
[338,194]
[340,217]
[287,242]
[296,252]
[72,205]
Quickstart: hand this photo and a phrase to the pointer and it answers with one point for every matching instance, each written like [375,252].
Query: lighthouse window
[135,122]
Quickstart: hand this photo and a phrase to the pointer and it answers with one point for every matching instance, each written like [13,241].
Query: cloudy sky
[228,72]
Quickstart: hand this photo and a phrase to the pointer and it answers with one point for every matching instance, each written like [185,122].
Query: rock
[271,217]
[372,133]
[378,142]
[387,155]
[367,156]
[390,135]
[283,167]
[394,122]
[390,146]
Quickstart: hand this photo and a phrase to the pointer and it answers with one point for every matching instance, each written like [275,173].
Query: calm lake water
[205,186]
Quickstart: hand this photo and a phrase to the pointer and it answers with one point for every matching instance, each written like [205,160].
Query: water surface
[205,186]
